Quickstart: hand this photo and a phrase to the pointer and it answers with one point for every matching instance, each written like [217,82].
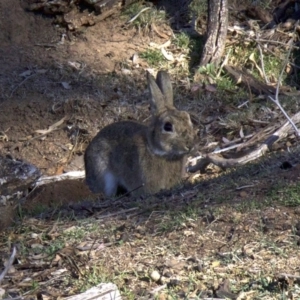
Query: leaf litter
[187,242]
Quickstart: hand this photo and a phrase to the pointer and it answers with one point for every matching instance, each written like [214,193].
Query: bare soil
[47,75]
[195,242]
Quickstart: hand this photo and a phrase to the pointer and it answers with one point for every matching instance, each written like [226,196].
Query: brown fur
[138,158]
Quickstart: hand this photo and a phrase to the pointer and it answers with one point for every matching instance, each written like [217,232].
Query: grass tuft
[153,57]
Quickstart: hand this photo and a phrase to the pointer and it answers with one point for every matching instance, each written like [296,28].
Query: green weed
[153,57]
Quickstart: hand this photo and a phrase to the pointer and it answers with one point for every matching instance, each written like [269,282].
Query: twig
[117,213]
[276,100]
[46,45]
[275,42]
[37,137]
[285,275]
[44,132]
[70,175]
[245,187]
[283,67]
[262,63]
[224,63]
[137,15]
[9,263]
[73,148]
[224,149]
[243,104]
[25,79]
[158,289]
[279,134]
[128,193]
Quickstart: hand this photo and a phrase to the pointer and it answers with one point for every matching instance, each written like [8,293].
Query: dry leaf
[160,34]
[168,56]
[225,141]
[215,263]
[75,65]
[157,46]
[135,59]
[126,72]
[242,133]
[195,88]
[66,85]
[59,272]
[26,73]
[188,232]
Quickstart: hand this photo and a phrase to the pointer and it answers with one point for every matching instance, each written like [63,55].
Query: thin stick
[286,275]
[25,79]
[224,63]
[137,15]
[9,263]
[286,115]
[127,193]
[262,63]
[276,100]
[116,213]
[283,68]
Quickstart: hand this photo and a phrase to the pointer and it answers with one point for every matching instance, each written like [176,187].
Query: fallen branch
[249,81]
[276,99]
[49,179]
[223,163]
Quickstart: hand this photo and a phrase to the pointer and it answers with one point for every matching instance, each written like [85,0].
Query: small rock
[155,276]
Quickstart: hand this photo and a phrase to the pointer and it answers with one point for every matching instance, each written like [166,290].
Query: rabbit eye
[168,127]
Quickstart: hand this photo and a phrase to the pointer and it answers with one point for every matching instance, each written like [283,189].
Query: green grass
[145,19]
[182,40]
[190,46]
[91,278]
[287,195]
[37,210]
[54,246]
[265,4]
[198,7]
[99,274]
[153,57]
[77,233]
[34,285]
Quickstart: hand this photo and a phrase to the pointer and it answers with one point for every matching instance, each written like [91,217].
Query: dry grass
[240,229]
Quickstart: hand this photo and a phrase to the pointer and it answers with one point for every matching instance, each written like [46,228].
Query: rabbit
[131,157]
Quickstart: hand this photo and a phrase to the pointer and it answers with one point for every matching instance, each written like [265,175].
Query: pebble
[155,276]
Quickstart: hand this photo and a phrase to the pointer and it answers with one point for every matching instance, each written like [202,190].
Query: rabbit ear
[164,83]
[157,99]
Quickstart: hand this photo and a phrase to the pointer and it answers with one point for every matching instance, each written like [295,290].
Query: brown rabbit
[140,159]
